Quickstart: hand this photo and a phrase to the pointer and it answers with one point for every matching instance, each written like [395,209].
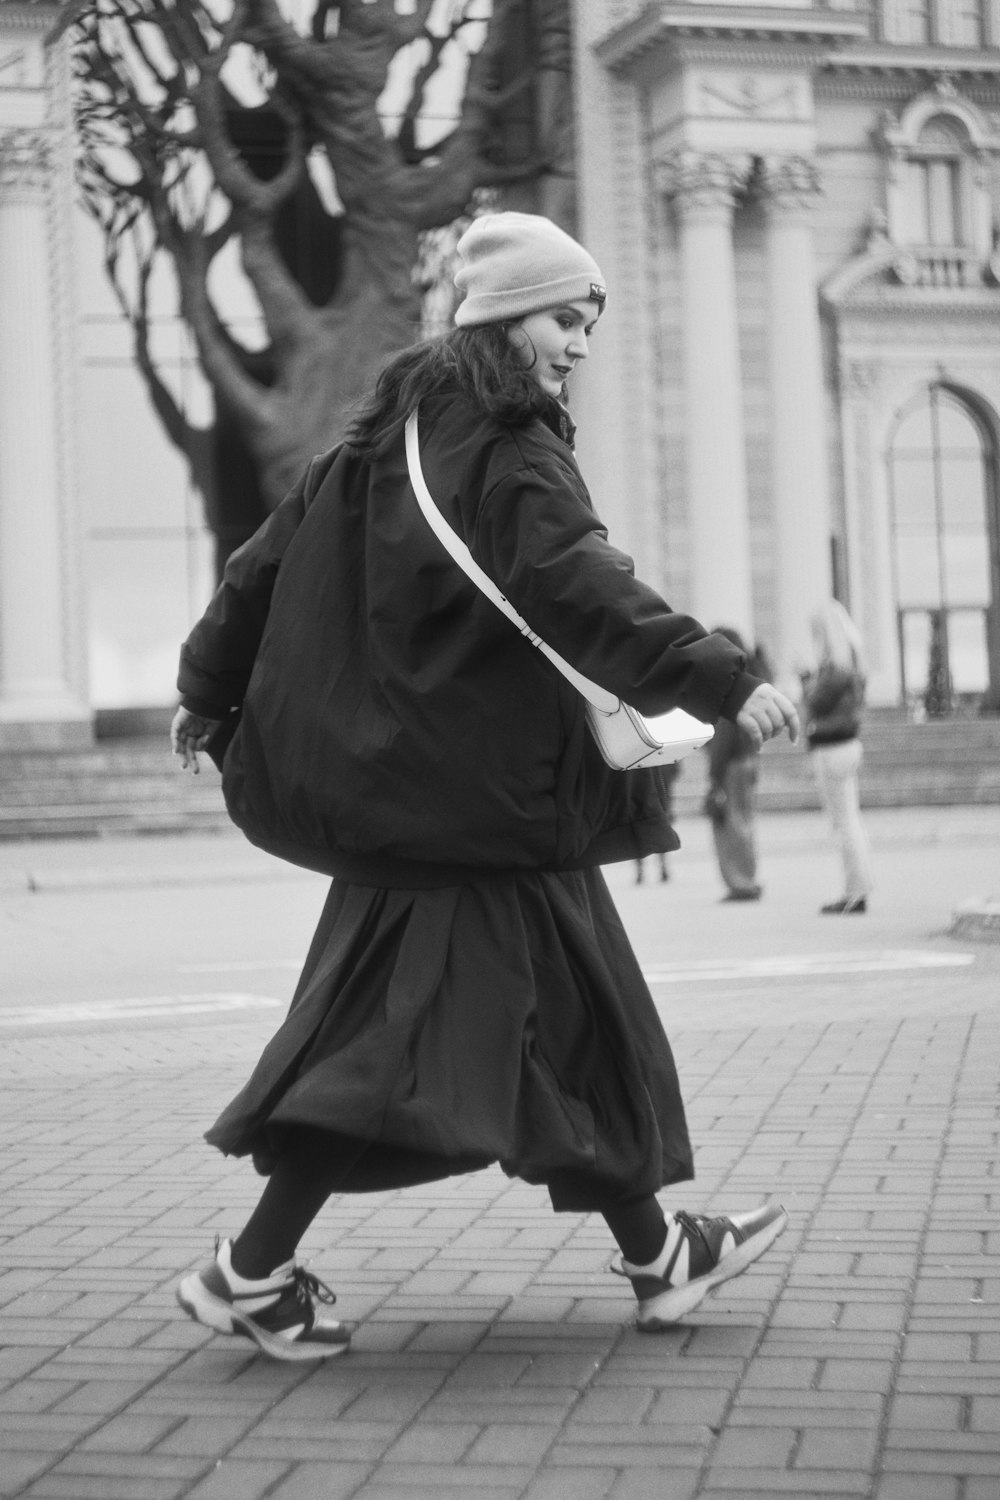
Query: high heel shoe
[846,906]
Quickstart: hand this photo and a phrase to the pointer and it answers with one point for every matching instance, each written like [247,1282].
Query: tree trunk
[310,407]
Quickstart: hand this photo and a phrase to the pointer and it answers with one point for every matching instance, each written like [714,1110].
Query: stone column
[800,458]
[703,189]
[37,703]
[866,405]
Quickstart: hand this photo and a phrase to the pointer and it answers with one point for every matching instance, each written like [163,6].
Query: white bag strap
[601,699]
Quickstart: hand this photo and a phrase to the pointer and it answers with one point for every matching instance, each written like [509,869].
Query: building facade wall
[809,125]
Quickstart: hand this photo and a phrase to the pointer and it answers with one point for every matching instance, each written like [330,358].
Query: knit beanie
[513,264]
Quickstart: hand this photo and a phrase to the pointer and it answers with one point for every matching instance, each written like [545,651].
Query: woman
[833,695]
[470,996]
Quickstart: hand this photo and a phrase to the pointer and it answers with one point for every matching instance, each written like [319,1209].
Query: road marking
[133,1010]
[780,966]
[806,965]
[242,966]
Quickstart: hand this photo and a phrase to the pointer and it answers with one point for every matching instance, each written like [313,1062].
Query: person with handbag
[470,996]
[833,694]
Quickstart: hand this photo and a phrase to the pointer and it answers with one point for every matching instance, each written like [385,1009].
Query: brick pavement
[495,1356]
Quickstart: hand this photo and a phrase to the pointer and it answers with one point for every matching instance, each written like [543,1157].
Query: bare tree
[208,128]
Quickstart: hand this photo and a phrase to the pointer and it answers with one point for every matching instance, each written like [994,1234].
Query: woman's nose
[577,345]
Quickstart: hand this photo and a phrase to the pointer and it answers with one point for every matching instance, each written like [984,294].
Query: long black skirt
[439,1031]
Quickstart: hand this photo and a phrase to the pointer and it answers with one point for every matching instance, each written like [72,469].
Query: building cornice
[663,24]
[882,60]
[882,87]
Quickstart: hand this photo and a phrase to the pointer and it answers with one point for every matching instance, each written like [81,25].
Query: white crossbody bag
[624,737]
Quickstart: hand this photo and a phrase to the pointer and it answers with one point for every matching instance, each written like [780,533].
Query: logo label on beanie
[597,292]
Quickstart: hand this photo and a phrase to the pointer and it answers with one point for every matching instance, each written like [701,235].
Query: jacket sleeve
[537,536]
[218,656]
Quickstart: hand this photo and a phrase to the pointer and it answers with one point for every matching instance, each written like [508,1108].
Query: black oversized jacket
[394,725]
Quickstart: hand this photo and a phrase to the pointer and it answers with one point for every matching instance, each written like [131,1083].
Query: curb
[978,918]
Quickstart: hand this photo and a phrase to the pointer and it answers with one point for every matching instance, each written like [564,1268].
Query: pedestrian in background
[833,695]
[470,995]
[731,798]
[669,775]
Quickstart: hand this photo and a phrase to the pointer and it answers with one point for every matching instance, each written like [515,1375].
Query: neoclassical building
[795,390]
[796,207]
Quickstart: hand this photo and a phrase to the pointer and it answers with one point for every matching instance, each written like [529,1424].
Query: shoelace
[308,1286]
[691,1224]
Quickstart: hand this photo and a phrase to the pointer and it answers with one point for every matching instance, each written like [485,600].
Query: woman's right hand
[766,713]
[190,733]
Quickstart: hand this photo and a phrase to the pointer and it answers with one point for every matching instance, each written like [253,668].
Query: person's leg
[735,843]
[839,765]
[252,1287]
[639,1227]
[304,1175]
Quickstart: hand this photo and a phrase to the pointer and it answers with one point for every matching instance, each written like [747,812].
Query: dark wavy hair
[479,362]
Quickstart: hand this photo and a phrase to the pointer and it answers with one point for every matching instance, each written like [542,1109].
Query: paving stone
[837,1448]
[464,1480]
[620,1407]
[625,1454]
[72,1486]
[128,1433]
[19,1469]
[738,1484]
[767,1448]
[856,1375]
[326,1481]
[433,1443]
[643,1484]
[236,1479]
[917,1487]
[204,1437]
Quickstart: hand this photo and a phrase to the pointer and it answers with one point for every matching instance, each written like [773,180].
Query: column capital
[788,184]
[25,159]
[703,181]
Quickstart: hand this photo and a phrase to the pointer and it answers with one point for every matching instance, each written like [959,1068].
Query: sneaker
[717,1250]
[278,1313]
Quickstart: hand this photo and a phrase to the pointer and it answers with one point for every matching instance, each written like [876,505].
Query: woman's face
[552,342]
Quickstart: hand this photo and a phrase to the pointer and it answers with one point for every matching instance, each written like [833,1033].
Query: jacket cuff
[204,708]
[743,685]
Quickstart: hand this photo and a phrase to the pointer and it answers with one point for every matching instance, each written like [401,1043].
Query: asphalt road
[162,930]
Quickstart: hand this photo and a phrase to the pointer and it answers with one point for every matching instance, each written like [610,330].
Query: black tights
[306,1173]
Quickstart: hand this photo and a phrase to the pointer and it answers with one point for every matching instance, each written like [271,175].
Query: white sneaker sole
[664,1310]
[213,1312]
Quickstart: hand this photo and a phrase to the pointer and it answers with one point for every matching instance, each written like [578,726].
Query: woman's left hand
[766,713]
[190,733]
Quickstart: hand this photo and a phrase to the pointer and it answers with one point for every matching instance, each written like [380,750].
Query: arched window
[938,201]
[934,207]
[942,485]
